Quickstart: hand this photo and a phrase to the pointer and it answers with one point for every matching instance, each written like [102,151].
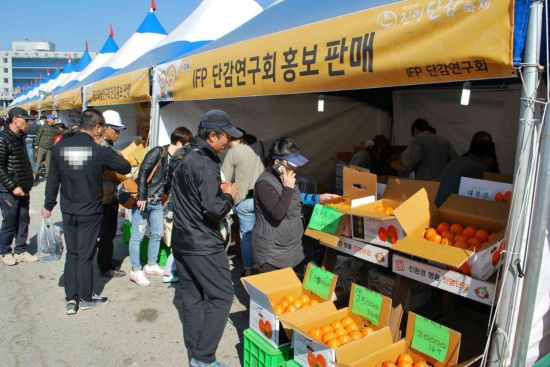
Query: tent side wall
[320,136]
[493,110]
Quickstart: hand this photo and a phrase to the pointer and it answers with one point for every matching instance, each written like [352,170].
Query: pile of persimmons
[468,238]
[291,303]
[338,333]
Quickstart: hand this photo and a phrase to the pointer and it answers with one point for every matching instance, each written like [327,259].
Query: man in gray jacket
[243,167]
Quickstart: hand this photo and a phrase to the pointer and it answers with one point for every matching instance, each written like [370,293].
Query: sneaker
[94,301]
[9,260]
[25,257]
[112,273]
[71,307]
[138,277]
[153,269]
[170,278]
[196,363]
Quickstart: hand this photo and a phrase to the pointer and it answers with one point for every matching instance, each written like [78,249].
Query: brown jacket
[111,180]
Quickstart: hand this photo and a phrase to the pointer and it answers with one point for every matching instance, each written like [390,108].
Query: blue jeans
[153,214]
[247,219]
[30,151]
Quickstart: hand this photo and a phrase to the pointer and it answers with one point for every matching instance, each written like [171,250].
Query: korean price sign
[325,219]
[319,282]
[367,304]
[430,338]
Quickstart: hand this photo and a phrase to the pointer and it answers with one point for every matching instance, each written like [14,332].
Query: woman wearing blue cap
[277,235]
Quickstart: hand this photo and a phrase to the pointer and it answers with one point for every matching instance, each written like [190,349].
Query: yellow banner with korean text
[404,43]
[68,100]
[126,88]
[47,103]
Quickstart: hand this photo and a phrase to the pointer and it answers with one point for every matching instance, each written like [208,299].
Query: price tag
[367,304]
[325,219]
[319,282]
[431,338]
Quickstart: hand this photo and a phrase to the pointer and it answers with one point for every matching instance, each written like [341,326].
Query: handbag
[127,191]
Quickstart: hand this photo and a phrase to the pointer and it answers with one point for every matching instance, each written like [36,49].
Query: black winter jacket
[77,164]
[199,203]
[153,190]
[15,167]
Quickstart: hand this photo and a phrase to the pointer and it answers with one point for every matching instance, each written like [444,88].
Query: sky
[69,23]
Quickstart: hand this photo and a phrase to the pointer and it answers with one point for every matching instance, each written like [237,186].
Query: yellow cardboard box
[308,349]
[417,214]
[268,289]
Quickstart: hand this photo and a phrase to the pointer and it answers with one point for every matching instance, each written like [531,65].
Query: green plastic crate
[259,353]
[292,363]
[164,251]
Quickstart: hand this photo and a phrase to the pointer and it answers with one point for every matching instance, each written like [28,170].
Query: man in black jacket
[201,202]
[77,165]
[16,181]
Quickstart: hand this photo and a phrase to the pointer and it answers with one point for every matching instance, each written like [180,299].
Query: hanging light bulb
[320,103]
[466,90]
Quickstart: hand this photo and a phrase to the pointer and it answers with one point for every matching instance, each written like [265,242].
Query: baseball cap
[295,159]
[218,119]
[19,112]
[112,120]
[51,116]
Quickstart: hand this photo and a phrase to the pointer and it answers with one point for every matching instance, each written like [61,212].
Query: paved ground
[140,326]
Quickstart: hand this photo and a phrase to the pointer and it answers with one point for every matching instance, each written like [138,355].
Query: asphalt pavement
[139,327]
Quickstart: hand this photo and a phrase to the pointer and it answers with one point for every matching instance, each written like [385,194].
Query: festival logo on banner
[165,81]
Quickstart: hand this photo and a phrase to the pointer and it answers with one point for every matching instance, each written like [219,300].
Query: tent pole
[518,222]
[536,245]
[154,126]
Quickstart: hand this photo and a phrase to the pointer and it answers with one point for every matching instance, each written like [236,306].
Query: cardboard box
[486,190]
[307,348]
[416,215]
[378,228]
[447,280]
[268,289]
[135,152]
[392,352]
[361,250]
[498,177]
[415,295]
[359,187]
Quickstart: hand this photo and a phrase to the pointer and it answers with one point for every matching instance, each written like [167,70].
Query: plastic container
[292,363]
[164,251]
[259,353]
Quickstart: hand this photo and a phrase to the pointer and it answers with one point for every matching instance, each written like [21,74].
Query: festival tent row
[281,64]
[209,21]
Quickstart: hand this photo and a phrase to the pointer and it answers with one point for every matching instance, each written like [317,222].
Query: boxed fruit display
[464,233]
[426,343]
[376,223]
[280,292]
[341,336]
[329,221]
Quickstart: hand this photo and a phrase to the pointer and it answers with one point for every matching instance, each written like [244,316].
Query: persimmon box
[424,341]
[359,189]
[376,223]
[417,215]
[269,292]
[356,330]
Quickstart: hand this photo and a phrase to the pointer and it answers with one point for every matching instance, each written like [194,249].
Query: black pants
[205,283]
[81,232]
[15,222]
[107,235]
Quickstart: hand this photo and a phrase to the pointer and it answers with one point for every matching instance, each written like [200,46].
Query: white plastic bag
[49,241]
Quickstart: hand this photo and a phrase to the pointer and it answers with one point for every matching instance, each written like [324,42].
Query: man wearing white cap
[107,266]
